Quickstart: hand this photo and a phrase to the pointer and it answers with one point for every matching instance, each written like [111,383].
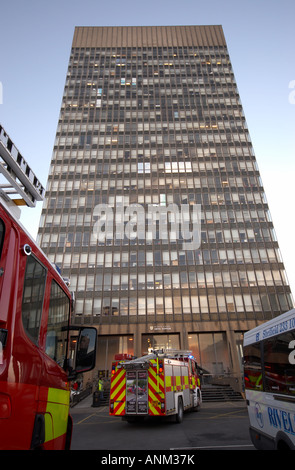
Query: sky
[36,38]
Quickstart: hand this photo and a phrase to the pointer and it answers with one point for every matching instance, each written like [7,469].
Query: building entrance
[211,353]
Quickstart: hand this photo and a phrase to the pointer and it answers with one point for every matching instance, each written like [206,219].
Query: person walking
[100,388]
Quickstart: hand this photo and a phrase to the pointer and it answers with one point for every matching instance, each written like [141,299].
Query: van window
[253,367]
[278,364]
[58,317]
[33,295]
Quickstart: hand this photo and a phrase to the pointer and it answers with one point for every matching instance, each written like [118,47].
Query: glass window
[107,347]
[58,317]
[33,294]
[252,367]
[279,364]
[186,307]
[2,232]
[160,341]
[210,351]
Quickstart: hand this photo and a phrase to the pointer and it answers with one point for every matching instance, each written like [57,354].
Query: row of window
[240,199]
[241,235]
[234,306]
[223,121]
[139,75]
[222,171]
[80,112]
[164,180]
[145,139]
[185,49]
[157,68]
[265,277]
[174,280]
[133,235]
[208,217]
[149,83]
[141,104]
[190,256]
[150,140]
[187,118]
[146,97]
[117,57]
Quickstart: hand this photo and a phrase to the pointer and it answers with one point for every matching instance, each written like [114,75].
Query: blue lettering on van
[282,420]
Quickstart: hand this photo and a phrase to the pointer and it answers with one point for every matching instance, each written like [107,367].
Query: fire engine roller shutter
[185,386]
[170,403]
[176,381]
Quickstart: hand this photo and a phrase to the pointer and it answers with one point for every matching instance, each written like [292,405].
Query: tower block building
[155,208]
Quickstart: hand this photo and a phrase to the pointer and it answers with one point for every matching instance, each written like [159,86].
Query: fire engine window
[192,367]
[34,286]
[58,317]
[2,231]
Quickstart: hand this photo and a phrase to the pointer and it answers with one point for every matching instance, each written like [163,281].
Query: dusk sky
[36,38]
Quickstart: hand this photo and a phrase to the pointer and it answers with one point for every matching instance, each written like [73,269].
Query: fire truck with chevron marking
[162,383]
[40,352]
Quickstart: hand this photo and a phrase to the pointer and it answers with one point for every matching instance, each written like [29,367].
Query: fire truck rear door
[137,392]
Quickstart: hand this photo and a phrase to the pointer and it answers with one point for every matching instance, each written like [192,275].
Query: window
[33,294]
[108,346]
[279,364]
[2,232]
[154,341]
[252,367]
[211,352]
[58,317]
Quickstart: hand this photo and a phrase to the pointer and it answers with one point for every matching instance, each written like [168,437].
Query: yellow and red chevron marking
[168,383]
[193,382]
[156,390]
[176,383]
[185,382]
[118,392]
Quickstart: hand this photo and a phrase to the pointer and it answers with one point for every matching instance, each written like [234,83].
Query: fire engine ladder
[18,173]
[140,362]
[175,353]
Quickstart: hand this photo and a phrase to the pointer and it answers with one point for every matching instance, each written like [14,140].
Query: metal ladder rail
[18,173]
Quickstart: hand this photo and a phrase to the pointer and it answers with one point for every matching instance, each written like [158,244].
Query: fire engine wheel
[179,414]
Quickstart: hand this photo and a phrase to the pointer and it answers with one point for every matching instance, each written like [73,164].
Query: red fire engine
[158,384]
[35,312]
